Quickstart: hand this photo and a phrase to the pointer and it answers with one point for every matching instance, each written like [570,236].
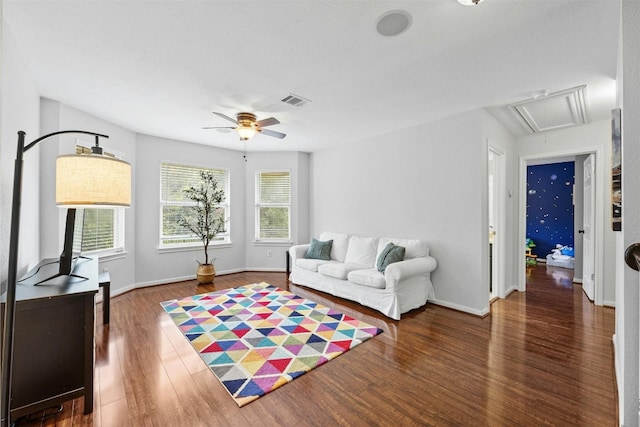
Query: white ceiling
[162,67]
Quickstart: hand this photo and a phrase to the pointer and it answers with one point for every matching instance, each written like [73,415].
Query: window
[173,203]
[102,229]
[273,205]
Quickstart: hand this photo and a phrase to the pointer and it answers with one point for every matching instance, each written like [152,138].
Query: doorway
[551,222]
[597,232]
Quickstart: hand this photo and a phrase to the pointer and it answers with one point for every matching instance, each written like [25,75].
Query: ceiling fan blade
[273,133]
[225,117]
[267,122]
[218,127]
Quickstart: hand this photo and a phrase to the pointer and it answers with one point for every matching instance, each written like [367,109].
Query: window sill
[166,250]
[284,243]
[108,256]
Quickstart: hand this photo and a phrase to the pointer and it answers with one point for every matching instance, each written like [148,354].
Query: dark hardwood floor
[543,357]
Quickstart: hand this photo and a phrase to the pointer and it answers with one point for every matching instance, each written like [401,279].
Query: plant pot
[206,273]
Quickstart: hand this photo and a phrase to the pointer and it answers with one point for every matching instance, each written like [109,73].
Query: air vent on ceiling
[295,100]
[552,111]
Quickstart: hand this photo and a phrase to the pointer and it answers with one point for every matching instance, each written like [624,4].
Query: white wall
[503,141]
[257,257]
[592,137]
[143,263]
[54,117]
[155,266]
[19,111]
[304,198]
[425,182]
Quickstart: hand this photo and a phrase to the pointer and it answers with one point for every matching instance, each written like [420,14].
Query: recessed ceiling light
[393,23]
[470,2]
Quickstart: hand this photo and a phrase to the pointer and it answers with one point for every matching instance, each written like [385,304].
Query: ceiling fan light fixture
[470,2]
[246,132]
[247,125]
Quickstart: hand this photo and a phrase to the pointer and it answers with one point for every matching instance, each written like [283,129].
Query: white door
[588,249]
[497,215]
[492,226]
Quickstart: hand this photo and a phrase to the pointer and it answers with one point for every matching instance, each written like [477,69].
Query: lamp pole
[10,301]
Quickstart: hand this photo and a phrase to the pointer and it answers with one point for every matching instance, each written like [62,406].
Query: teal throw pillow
[390,254]
[319,250]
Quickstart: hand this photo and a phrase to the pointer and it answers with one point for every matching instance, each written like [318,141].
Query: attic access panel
[554,111]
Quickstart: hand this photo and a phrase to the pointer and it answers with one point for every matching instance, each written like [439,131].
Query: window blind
[273,205]
[174,178]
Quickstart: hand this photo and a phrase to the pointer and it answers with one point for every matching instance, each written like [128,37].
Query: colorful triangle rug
[258,337]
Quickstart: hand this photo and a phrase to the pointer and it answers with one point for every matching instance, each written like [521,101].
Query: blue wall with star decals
[550,206]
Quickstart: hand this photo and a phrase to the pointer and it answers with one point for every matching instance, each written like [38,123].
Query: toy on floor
[561,256]
[530,257]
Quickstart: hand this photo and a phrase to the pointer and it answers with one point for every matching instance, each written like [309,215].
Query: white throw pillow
[414,248]
[339,246]
[362,251]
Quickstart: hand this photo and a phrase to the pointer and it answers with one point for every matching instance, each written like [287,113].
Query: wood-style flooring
[542,357]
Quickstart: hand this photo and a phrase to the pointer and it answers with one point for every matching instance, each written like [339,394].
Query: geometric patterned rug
[258,337]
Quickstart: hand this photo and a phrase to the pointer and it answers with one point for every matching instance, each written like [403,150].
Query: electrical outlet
[269,253]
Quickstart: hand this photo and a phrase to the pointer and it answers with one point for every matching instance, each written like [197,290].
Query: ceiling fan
[247,126]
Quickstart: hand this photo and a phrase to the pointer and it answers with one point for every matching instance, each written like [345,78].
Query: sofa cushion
[369,277]
[319,250]
[340,243]
[311,264]
[390,254]
[361,251]
[339,270]
[414,248]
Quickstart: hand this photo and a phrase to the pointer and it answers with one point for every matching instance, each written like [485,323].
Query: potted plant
[205,219]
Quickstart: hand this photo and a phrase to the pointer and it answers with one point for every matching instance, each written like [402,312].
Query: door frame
[598,220]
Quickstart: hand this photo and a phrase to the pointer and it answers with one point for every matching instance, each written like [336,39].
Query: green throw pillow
[390,254]
[319,250]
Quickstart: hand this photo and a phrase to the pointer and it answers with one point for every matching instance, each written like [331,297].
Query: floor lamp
[89,180]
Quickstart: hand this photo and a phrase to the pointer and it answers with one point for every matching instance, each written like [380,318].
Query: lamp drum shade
[88,180]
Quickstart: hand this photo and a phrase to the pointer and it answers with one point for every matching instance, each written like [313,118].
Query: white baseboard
[462,308]
[269,270]
[140,285]
[508,291]
[577,280]
[164,281]
[609,303]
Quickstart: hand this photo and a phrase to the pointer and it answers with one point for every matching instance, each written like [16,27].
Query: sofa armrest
[298,251]
[402,270]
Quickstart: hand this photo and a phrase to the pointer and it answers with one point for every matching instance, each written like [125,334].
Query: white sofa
[351,272]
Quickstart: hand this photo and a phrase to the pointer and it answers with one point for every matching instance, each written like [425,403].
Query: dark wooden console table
[53,356]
